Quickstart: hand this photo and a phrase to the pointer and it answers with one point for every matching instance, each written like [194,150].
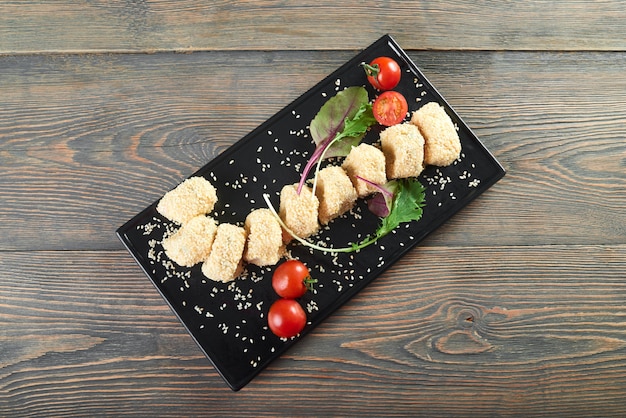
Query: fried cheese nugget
[194,196]
[368,162]
[264,245]
[442,144]
[335,193]
[299,211]
[403,146]
[225,262]
[192,242]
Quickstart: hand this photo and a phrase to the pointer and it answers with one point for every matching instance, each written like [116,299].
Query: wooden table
[516,306]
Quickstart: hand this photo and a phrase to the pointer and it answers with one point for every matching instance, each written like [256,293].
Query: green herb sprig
[406,206]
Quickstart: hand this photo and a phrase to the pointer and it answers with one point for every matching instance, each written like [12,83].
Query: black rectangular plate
[228,321]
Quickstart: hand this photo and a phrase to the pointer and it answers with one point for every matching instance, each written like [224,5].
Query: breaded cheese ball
[264,245]
[442,144]
[192,243]
[403,146]
[194,196]
[368,162]
[335,193]
[299,212]
[225,263]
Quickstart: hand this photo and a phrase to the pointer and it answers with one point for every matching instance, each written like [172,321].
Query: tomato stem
[309,282]
[371,70]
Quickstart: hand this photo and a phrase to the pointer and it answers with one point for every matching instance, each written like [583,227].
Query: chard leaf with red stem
[339,125]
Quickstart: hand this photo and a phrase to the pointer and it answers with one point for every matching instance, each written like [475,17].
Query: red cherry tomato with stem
[383,73]
[286,318]
[292,279]
[390,108]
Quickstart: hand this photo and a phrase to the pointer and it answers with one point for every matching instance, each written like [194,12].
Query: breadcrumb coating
[442,144]
[192,242]
[264,245]
[368,162]
[194,196]
[335,193]
[224,263]
[403,146]
[299,212]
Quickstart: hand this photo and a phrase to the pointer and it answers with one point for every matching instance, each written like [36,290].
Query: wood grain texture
[83,333]
[193,25]
[515,307]
[104,136]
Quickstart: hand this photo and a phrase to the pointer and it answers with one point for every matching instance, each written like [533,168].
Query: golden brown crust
[264,246]
[224,263]
[194,196]
[299,212]
[403,146]
[192,243]
[442,145]
[335,193]
[368,162]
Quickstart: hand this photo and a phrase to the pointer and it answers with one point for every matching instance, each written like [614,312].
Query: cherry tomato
[383,73]
[286,318]
[291,279]
[390,108]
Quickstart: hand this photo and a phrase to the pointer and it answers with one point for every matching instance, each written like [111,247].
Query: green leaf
[339,125]
[406,207]
[354,129]
[330,119]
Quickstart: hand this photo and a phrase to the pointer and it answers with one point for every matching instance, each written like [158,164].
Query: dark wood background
[517,306]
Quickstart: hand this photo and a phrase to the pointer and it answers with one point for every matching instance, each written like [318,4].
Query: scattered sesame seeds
[465,175]
[311,306]
[342,268]
[148,228]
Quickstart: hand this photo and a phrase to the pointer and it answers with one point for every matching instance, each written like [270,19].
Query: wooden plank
[28,27]
[536,330]
[103,136]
